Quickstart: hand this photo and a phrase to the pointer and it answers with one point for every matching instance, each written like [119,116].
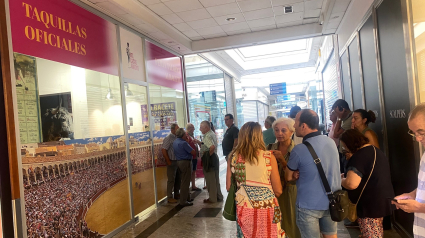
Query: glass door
[140,145]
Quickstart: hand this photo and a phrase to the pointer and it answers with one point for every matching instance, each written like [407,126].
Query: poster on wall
[163,67]
[164,114]
[56,119]
[132,56]
[27,94]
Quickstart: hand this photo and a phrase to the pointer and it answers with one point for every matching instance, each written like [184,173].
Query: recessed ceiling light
[231,19]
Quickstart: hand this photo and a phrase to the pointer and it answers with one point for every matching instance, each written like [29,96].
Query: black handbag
[338,200]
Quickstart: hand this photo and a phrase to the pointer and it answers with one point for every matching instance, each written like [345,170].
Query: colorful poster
[163,67]
[26,90]
[164,115]
[57,121]
[132,56]
[63,32]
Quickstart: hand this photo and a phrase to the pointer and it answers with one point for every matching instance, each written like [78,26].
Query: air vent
[288,9]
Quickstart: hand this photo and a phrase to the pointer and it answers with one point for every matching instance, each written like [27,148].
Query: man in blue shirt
[184,154]
[313,215]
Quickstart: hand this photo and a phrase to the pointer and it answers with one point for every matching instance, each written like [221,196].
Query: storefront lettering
[176,69]
[400,113]
[49,20]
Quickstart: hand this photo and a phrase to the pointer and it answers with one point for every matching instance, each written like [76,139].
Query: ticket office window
[74,164]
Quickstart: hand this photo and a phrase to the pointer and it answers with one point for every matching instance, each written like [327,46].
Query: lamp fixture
[109,95]
[127,91]
[231,19]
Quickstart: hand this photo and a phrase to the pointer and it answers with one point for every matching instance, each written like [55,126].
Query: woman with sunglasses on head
[360,121]
[368,182]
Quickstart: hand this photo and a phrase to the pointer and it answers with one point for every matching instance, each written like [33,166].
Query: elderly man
[173,175]
[190,128]
[230,138]
[313,216]
[268,134]
[184,154]
[414,202]
[211,167]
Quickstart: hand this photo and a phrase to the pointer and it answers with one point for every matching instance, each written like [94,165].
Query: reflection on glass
[73,149]
[167,107]
[140,147]
[207,100]
[418,7]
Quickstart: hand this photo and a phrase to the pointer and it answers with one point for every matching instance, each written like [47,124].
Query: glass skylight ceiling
[270,55]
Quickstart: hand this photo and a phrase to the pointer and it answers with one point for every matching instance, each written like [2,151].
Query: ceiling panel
[202,23]
[225,9]
[235,27]
[210,31]
[312,13]
[341,5]
[183,5]
[160,9]
[289,17]
[191,33]
[314,4]
[311,20]
[196,38]
[251,5]
[288,24]
[215,35]
[148,28]
[261,22]
[112,7]
[286,2]
[172,18]
[182,27]
[132,20]
[263,28]
[149,2]
[222,20]
[238,32]
[258,14]
[211,3]
[194,15]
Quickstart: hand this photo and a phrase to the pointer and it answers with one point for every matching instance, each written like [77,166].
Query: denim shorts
[313,222]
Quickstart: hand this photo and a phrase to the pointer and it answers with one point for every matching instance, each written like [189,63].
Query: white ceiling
[188,26]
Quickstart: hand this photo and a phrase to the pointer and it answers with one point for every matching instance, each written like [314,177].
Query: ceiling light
[109,95]
[127,91]
[231,19]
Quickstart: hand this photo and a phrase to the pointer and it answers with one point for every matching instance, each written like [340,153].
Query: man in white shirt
[414,202]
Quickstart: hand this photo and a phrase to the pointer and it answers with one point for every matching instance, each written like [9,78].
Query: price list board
[28,100]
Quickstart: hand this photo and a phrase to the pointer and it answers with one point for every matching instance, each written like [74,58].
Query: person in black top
[230,138]
[373,204]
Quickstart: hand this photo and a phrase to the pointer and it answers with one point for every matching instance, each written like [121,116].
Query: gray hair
[206,123]
[189,125]
[173,126]
[418,110]
[270,120]
[180,132]
[289,122]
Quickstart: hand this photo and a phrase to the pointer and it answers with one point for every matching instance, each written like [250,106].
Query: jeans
[313,222]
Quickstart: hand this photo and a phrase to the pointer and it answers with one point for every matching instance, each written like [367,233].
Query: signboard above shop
[63,32]
[278,88]
[132,56]
[163,67]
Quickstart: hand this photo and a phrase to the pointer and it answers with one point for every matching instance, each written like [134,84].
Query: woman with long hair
[360,121]
[258,184]
[368,182]
[283,129]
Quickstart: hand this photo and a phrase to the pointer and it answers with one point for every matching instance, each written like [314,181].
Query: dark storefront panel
[397,104]
[346,78]
[355,75]
[370,77]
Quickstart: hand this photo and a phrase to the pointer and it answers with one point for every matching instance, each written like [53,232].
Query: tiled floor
[171,221]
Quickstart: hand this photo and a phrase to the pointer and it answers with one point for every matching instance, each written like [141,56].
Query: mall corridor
[201,220]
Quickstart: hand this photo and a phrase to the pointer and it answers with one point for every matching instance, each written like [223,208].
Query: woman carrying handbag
[368,182]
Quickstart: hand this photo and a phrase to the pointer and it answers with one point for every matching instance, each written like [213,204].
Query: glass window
[206,95]
[418,7]
[73,149]
[167,107]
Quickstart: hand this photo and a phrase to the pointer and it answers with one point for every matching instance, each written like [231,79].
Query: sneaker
[172,200]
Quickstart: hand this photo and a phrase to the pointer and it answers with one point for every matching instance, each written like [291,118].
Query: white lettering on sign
[400,113]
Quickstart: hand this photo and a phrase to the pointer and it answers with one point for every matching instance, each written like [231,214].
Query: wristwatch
[339,119]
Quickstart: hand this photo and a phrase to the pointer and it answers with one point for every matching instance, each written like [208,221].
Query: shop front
[93,101]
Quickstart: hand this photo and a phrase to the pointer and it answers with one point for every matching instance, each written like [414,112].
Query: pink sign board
[163,67]
[61,31]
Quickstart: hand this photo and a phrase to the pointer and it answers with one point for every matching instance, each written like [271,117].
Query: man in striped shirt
[414,202]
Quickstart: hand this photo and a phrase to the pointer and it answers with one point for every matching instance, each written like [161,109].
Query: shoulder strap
[373,167]
[320,169]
